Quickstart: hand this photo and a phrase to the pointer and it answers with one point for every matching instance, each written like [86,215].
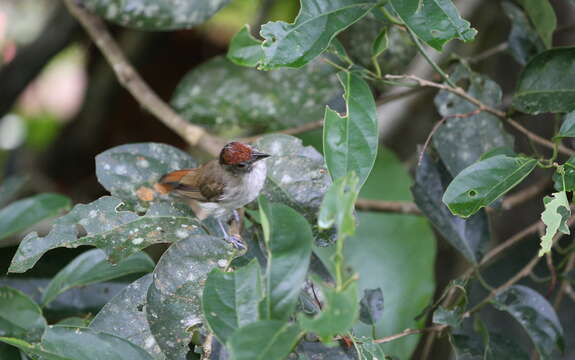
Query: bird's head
[240,157]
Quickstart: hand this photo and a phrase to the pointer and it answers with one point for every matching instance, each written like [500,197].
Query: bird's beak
[256,155]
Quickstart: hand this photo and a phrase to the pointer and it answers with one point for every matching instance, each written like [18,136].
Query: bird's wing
[191,184]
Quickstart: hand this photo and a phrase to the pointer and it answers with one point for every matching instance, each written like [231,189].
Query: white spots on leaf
[222,263]
[182,234]
[143,163]
[93,213]
[138,241]
[121,170]
[149,342]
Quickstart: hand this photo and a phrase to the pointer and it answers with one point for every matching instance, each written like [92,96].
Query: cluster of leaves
[286,293]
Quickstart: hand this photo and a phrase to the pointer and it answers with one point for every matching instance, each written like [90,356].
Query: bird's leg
[236,215]
[235,240]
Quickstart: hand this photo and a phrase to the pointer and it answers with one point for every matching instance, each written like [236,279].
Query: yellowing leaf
[554,217]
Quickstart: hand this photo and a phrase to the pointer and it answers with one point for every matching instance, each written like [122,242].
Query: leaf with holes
[92,267]
[545,84]
[22,214]
[230,299]
[245,50]
[350,142]
[174,297]
[20,316]
[434,21]
[465,136]
[156,15]
[484,182]
[535,315]
[119,233]
[125,316]
[554,217]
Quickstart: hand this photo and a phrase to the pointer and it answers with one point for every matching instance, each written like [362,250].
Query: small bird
[222,185]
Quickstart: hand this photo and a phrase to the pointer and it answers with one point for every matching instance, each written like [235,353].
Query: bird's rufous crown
[235,153]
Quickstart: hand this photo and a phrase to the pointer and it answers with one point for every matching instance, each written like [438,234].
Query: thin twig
[407,332]
[501,114]
[526,194]
[488,53]
[133,82]
[400,207]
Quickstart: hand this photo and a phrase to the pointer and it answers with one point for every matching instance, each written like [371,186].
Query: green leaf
[350,142]
[288,239]
[371,306]
[434,21]
[24,213]
[381,43]
[382,245]
[554,217]
[20,317]
[33,350]
[449,317]
[174,297]
[10,188]
[484,182]
[524,42]
[317,351]
[245,50]
[130,171]
[125,316]
[88,344]
[567,127]
[545,85]
[156,14]
[230,299]
[92,267]
[119,233]
[9,352]
[566,181]
[535,315]
[338,205]
[338,315]
[296,175]
[461,141]
[318,22]
[230,99]
[494,347]
[469,236]
[543,18]
[263,340]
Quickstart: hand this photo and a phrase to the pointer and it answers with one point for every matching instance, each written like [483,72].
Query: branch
[406,332]
[463,94]
[133,82]
[400,207]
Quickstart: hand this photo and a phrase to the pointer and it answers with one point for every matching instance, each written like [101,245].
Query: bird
[222,185]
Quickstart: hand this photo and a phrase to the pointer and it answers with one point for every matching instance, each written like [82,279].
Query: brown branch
[400,207]
[133,82]
[407,332]
[501,114]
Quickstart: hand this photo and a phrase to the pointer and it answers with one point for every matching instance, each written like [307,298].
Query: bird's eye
[242,165]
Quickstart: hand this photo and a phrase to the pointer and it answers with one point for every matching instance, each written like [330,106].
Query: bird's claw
[236,242]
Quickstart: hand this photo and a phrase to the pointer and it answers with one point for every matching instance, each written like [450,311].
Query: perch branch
[130,79]
[406,332]
[501,114]
[400,207]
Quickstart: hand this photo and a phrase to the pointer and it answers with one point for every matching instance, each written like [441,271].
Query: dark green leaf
[535,314]
[231,99]
[288,239]
[567,127]
[294,45]
[484,182]
[86,344]
[449,317]
[524,43]
[24,213]
[434,21]
[33,350]
[75,321]
[497,347]
[20,317]
[230,299]
[296,175]
[382,245]
[119,233]
[263,340]
[503,150]
[308,350]
[125,316]
[569,176]
[350,142]
[338,205]
[554,217]
[339,313]
[371,306]
[469,236]
[546,84]
[8,352]
[174,297]
[92,267]
[10,188]
[245,50]
[130,171]
[381,43]
[543,18]
[461,141]
[156,14]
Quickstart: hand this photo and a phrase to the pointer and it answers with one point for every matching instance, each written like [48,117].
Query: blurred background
[61,105]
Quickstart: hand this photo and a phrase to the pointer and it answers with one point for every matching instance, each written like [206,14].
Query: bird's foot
[236,241]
